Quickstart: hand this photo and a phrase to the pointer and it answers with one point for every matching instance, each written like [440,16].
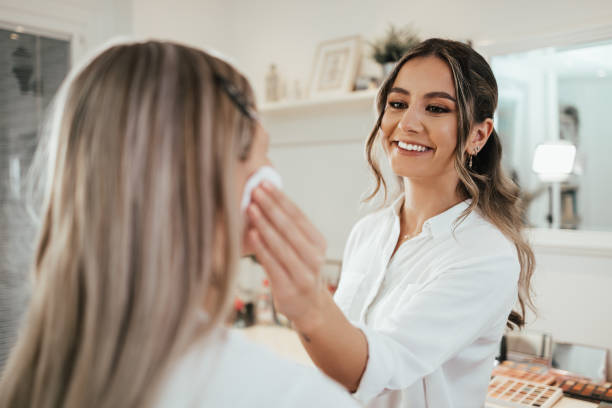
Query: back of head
[139,235]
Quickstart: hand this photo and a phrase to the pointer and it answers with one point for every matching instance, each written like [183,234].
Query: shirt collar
[440,224]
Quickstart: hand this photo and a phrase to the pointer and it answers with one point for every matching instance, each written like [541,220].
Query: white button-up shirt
[434,314]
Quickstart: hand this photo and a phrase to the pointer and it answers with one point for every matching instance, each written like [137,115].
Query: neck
[426,198]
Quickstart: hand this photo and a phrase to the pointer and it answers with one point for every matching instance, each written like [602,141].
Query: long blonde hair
[140,227]
[491,191]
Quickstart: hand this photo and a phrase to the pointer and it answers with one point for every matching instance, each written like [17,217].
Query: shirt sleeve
[432,325]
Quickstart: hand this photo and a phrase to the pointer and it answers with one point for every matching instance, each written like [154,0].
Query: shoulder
[485,237]
[236,372]
[481,243]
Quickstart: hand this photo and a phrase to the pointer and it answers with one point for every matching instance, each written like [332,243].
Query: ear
[478,136]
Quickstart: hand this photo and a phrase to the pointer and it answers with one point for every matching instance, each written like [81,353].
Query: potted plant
[389,49]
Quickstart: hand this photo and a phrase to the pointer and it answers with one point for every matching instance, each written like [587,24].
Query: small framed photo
[335,67]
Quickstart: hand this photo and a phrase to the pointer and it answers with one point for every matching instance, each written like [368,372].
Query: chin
[403,170]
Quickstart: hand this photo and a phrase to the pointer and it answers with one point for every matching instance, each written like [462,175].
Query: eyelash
[439,109]
[431,108]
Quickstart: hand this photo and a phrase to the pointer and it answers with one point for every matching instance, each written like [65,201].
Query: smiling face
[419,125]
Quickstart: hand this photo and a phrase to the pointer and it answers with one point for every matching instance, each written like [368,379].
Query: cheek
[446,137]
[244,169]
[241,174]
[388,123]
[258,155]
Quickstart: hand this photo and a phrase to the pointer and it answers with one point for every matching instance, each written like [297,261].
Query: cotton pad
[265,173]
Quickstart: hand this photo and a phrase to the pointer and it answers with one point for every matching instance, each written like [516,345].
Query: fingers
[275,271]
[278,248]
[310,253]
[293,212]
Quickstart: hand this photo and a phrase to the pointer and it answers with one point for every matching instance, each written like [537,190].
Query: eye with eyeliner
[437,109]
[397,105]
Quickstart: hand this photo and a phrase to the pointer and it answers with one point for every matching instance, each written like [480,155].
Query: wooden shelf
[358,97]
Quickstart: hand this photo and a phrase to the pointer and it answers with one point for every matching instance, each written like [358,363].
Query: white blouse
[227,370]
[434,314]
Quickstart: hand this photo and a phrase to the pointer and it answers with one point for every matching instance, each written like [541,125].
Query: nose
[410,122]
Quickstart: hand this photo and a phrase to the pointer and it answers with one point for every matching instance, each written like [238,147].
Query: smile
[409,147]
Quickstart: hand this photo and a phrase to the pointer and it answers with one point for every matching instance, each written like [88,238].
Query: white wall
[203,23]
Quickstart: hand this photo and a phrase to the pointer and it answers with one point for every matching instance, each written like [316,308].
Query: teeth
[407,146]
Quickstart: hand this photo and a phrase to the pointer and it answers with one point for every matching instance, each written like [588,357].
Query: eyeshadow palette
[530,372]
[587,390]
[514,392]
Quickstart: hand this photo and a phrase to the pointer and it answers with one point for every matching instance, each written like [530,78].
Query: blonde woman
[428,283]
[141,231]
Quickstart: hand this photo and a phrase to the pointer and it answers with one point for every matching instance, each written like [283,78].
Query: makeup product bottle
[272,85]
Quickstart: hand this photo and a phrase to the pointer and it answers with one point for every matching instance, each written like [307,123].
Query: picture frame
[335,67]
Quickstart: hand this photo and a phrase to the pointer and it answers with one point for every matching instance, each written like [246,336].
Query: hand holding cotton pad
[265,173]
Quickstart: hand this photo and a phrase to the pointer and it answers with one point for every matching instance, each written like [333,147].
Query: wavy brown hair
[494,194]
[140,230]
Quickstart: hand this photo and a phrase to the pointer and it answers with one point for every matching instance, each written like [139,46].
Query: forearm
[337,347]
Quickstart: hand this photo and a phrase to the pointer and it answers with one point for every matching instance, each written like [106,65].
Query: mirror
[589,362]
[555,101]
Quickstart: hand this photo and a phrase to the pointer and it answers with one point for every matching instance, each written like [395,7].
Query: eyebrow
[437,94]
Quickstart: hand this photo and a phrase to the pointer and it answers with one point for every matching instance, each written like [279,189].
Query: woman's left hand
[291,251]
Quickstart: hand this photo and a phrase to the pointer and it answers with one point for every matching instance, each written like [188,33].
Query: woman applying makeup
[429,282]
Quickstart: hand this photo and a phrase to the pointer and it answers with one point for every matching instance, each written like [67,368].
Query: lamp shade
[554,161]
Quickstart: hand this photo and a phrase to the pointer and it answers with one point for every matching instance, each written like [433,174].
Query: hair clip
[236,97]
